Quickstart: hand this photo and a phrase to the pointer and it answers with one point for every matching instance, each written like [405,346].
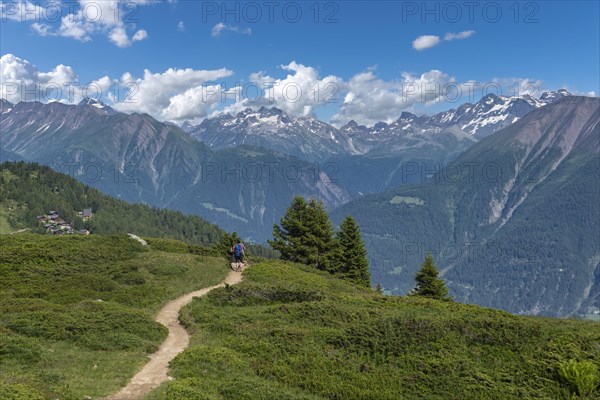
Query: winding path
[154,373]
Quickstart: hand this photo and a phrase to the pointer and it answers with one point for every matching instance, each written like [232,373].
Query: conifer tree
[351,257]
[287,238]
[305,234]
[321,238]
[428,283]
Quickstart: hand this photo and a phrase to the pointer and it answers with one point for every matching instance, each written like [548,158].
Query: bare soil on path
[155,372]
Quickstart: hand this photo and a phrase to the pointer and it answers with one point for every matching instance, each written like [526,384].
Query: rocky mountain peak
[552,96]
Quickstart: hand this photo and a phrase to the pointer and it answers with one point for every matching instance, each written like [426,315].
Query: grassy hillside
[76,313]
[29,189]
[7,222]
[288,332]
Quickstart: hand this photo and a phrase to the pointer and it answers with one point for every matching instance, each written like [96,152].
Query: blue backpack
[237,250]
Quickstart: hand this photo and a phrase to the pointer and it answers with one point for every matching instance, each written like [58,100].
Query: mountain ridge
[273,128]
[140,159]
[513,221]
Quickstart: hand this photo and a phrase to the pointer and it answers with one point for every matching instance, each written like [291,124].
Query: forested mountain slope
[513,223]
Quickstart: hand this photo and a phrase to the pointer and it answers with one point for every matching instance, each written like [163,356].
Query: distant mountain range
[363,159]
[513,222]
[312,139]
[139,159]
[243,170]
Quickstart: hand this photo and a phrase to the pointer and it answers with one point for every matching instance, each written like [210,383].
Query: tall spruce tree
[287,238]
[351,257]
[305,234]
[321,239]
[428,283]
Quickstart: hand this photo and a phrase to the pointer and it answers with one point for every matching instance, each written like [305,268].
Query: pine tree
[305,234]
[428,283]
[321,239]
[351,257]
[287,238]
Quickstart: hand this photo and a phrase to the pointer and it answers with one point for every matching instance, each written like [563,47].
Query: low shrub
[581,376]
[261,295]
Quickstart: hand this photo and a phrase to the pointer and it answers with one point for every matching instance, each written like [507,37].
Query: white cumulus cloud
[119,37]
[425,42]
[370,99]
[81,19]
[23,81]
[298,93]
[457,36]
[220,27]
[140,35]
[171,95]
[428,41]
[188,94]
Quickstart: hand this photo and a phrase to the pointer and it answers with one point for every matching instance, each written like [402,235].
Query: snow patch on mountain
[312,139]
[97,104]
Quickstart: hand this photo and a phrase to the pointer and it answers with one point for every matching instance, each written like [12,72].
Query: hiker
[238,250]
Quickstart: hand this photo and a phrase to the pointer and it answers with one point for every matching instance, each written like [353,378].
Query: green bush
[19,348]
[581,376]
[255,295]
[187,389]
[19,392]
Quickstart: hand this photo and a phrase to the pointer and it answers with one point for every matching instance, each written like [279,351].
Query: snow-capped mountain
[312,139]
[493,112]
[305,137]
[5,106]
[478,120]
[97,104]
[551,97]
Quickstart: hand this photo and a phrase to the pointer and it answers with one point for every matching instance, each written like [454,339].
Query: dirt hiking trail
[154,373]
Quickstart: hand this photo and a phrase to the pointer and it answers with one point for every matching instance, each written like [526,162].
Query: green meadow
[77,312]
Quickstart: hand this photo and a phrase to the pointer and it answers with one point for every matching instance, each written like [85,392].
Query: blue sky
[364,49]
